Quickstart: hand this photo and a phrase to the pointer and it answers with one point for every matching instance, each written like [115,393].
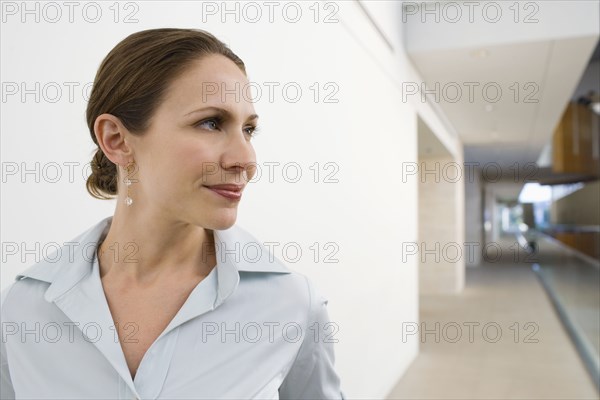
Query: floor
[523,353]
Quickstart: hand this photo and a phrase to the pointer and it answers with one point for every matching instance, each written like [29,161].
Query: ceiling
[544,61]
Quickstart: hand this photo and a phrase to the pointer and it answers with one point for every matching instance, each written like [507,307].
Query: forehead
[212,80]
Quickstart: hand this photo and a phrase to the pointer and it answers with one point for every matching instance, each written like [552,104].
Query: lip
[229,191]
[227,186]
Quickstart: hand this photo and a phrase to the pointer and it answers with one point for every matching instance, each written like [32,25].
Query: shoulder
[306,288]
[260,268]
[29,290]
[22,297]
[4,294]
[294,294]
[29,287]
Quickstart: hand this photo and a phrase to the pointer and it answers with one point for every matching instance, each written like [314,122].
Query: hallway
[513,366]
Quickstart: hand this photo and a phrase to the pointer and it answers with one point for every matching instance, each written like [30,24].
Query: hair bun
[102,181]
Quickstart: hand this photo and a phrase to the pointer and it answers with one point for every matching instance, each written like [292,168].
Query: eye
[252,130]
[214,122]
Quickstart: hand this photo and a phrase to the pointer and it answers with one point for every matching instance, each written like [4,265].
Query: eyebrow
[221,111]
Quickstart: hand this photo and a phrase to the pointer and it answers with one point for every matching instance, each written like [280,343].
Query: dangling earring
[129,169]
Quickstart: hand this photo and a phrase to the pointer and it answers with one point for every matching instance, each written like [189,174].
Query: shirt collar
[236,250]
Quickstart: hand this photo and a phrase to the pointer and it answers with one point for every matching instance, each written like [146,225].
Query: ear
[110,134]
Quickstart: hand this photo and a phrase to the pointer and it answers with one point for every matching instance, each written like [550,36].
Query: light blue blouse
[252,329]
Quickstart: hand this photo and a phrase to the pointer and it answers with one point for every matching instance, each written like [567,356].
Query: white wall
[368,134]
[441,226]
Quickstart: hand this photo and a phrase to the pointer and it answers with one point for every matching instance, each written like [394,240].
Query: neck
[147,249]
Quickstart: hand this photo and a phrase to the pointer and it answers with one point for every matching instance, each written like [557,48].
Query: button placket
[152,372]
[125,391]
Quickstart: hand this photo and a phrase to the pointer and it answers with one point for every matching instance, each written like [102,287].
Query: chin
[222,222]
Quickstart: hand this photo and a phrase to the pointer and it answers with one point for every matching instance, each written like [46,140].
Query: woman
[168,298]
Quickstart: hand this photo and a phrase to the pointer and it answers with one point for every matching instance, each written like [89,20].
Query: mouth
[229,191]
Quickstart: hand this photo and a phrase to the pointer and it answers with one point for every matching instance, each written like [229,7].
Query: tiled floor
[532,358]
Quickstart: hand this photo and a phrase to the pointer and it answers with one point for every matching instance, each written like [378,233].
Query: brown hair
[131,82]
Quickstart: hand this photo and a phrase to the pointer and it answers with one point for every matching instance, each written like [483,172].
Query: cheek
[198,162]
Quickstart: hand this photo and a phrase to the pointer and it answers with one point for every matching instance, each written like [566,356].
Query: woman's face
[199,136]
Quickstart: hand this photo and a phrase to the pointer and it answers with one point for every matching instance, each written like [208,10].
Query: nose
[239,158]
